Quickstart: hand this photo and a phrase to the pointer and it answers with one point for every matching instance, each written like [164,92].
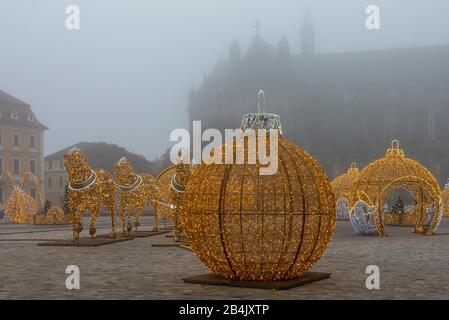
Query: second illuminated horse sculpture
[135,191]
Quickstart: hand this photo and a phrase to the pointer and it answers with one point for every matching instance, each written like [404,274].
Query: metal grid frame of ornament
[395,171]
[247,226]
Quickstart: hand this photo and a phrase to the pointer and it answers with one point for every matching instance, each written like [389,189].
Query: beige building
[55,178]
[21,145]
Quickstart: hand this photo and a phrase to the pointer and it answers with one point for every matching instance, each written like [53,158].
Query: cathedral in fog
[340,107]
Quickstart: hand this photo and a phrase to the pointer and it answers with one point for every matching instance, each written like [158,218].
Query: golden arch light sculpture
[247,226]
[34,179]
[384,176]
[20,207]
[342,189]
[54,215]
[445,199]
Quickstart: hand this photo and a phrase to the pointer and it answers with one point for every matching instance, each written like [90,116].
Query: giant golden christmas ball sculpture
[342,190]
[247,226]
[384,176]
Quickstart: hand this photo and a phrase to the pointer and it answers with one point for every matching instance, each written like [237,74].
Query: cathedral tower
[307,35]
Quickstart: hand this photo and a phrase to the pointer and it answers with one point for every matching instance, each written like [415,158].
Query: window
[33,142]
[50,165]
[14,115]
[30,117]
[16,165]
[33,192]
[1,139]
[33,166]
[1,165]
[61,164]
[15,140]
[61,182]
[61,200]
[1,194]
[49,182]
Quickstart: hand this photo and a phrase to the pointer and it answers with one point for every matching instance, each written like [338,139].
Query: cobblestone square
[411,266]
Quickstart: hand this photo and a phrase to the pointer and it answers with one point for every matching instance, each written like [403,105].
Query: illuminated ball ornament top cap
[261,119]
[395,171]
[247,226]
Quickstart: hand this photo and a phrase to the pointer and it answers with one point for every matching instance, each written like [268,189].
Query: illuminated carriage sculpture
[172,182]
[342,189]
[384,176]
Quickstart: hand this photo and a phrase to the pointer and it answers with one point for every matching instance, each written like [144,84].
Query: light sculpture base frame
[213,279]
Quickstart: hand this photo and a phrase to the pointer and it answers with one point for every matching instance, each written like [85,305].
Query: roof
[10,104]
[105,155]
[7,99]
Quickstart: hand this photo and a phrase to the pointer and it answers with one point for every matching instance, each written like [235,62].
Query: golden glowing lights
[20,207]
[88,189]
[172,182]
[23,208]
[55,215]
[135,191]
[166,203]
[383,177]
[247,226]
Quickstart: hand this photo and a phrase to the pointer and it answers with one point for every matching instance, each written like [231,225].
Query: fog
[124,77]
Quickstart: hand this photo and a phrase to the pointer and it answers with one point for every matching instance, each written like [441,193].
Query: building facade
[21,146]
[55,180]
[340,107]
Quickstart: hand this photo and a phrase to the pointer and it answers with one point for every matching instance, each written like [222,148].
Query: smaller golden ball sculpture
[380,179]
[342,189]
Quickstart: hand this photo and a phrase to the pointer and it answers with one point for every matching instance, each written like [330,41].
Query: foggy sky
[124,77]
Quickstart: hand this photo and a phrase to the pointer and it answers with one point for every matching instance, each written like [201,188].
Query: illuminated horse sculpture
[88,189]
[135,191]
